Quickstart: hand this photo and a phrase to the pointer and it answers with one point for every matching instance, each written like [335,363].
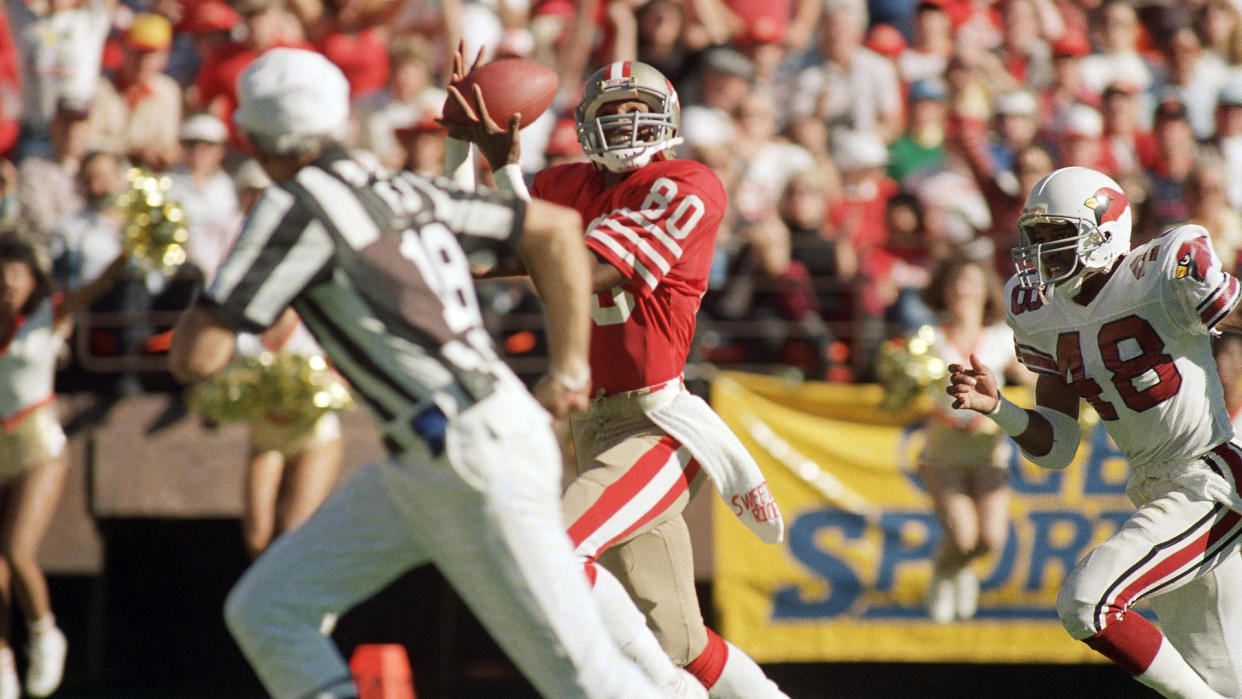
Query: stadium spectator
[1164,202]
[774,294]
[61,47]
[1227,139]
[1128,143]
[1220,26]
[10,87]
[422,142]
[353,34]
[768,160]
[929,51]
[1080,142]
[206,192]
[1016,127]
[138,111]
[1193,77]
[661,39]
[47,187]
[1119,58]
[1024,53]
[921,147]
[410,96]
[849,86]
[1068,87]
[828,256]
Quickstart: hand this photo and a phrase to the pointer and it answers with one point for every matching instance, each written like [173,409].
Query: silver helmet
[625,142]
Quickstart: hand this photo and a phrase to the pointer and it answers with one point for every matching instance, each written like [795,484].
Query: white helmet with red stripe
[625,142]
[1075,222]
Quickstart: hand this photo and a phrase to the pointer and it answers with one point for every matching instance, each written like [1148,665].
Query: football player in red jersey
[645,443]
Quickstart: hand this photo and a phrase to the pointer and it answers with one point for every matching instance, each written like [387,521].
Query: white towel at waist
[722,456]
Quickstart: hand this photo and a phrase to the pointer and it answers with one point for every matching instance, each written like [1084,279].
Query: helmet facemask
[626,142]
[1071,249]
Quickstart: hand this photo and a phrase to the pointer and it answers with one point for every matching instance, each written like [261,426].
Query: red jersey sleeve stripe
[1037,361]
[624,259]
[1221,302]
[656,232]
[633,241]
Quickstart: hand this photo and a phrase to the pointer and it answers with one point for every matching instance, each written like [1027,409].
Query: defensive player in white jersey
[1129,331]
[646,443]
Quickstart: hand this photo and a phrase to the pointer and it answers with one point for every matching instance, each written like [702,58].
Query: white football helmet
[1075,222]
[625,142]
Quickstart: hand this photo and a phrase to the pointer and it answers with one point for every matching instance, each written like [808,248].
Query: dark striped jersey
[378,265]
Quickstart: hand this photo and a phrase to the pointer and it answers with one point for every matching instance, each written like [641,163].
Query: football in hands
[510,86]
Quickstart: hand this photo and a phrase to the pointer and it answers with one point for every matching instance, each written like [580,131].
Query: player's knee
[241,609]
[1076,612]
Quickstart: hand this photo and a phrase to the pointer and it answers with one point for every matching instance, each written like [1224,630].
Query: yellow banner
[848,582]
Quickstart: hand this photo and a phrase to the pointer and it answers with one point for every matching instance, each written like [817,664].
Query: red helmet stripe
[619,70]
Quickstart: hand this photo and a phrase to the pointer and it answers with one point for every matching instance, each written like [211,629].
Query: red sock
[710,663]
[1131,642]
[589,569]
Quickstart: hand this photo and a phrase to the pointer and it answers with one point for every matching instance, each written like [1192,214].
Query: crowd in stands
[860,142]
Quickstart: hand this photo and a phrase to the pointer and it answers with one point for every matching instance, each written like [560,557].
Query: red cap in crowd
[885,40]
[1071,44]
[564,139]
[206,17]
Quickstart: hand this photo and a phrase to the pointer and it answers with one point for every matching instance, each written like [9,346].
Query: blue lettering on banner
[845,586]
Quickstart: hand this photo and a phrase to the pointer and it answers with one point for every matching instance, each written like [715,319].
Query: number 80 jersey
[1140,353]
[658,227]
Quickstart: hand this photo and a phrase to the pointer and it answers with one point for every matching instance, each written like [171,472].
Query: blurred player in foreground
[1129,331]
[378,266]
[645,441]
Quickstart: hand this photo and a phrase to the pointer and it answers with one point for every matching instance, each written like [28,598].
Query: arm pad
[509,181]
[459,162]
[1066,434]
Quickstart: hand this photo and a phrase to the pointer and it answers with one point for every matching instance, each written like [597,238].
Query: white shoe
[967,593]
[46,655]
[10,684]
[941,598]
[683,685]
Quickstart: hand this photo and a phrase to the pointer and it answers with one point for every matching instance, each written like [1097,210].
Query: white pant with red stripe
[625,510]
[1180,550]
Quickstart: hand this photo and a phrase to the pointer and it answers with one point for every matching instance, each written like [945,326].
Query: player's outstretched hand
[973,387]
[499,145]
[559,399]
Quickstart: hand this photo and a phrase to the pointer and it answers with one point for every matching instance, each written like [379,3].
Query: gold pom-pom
[287,388]
[906,367]
[155,232]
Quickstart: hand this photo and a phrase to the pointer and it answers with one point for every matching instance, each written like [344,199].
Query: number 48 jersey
[658,227]
[1140,353]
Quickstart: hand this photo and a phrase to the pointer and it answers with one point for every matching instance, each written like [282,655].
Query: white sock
[1172,676]
[629,630]
[40,626]
[742,678]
